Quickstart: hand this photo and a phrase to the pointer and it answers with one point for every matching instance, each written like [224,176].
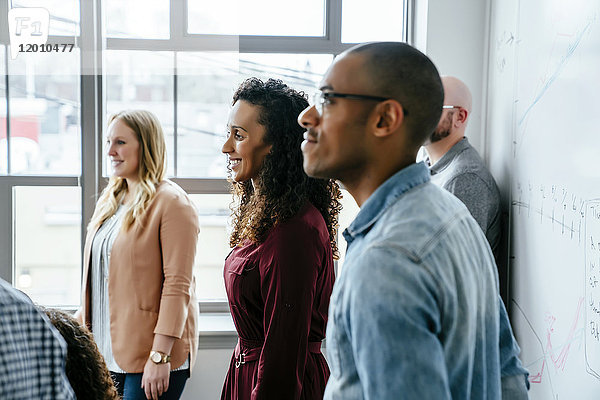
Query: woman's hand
[155,380]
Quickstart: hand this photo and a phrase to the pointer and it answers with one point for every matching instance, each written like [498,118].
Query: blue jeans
[129,386]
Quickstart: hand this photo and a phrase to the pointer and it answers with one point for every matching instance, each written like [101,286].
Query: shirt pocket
[235,274]
[237,265]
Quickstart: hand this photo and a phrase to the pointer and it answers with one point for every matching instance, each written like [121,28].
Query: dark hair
[401,72]
[282,185]
[85,366]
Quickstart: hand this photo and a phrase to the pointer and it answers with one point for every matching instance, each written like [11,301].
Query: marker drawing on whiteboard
[552,354]
[592,287]
[549,80]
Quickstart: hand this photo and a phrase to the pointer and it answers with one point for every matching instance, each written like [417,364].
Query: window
[64,14]
[3,138]
[137,19]
[44,114]
[41,163]
[182,60]
[257,17]
[47,236]
[380,26]
[142,80]
[213,244]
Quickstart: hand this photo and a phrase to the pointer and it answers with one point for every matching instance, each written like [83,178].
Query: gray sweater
[462,172]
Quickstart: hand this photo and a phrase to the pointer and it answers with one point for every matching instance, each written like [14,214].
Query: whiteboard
[544,147]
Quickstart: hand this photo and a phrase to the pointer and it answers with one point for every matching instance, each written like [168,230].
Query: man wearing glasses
[415,310]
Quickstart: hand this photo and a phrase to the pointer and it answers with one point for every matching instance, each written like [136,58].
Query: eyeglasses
[321,99]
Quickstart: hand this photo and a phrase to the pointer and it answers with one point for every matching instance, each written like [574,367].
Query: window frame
[92,43]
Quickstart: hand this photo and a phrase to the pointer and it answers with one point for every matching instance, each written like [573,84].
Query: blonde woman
[138,289]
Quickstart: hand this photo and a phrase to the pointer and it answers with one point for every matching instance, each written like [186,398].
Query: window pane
[141,80]
[47,244]
[257,17]
[213,244]
[137,19]
[3,141]
[45,127]
[205,86]
[64,14]
[206,83]
[365,22]
[300,71]
[349,211]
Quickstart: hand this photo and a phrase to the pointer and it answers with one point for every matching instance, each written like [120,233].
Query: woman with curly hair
[138,288]
[85,366]
[279,275]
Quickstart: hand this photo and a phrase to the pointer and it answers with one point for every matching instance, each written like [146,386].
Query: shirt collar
[384,196]
[449,156]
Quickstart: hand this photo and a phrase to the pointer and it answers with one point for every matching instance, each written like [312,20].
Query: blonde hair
[151,170]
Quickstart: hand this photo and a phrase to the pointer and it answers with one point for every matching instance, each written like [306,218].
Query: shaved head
[452,124]
[456,93]
[403,73]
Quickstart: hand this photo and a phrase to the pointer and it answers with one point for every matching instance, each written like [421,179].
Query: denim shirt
[415,312]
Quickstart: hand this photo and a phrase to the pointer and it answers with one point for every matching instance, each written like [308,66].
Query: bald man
[457,167]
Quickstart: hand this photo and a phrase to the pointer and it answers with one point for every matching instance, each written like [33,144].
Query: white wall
[208,375]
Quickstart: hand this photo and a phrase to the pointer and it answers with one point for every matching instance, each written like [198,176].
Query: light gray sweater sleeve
[475,194]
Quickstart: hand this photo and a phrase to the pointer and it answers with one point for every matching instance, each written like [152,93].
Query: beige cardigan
[151,288]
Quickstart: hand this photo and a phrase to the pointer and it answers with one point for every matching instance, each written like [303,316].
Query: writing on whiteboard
[553,205]
[592,287]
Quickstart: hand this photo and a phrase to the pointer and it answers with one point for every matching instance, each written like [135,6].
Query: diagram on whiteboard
[544,68]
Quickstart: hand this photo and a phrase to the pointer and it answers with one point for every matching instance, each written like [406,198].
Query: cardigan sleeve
[178,237]
[289,270]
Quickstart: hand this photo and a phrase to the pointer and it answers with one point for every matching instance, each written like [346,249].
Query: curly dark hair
[85,366]
[282,186]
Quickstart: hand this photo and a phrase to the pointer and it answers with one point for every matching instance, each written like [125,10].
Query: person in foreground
[457,167]
[32,352]
[415,311]
[85,366]
[280,273]
[138,288]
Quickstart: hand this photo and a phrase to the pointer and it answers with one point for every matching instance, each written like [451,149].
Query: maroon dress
[278,294]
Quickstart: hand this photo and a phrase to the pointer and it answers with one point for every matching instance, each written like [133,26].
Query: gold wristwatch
[158,357]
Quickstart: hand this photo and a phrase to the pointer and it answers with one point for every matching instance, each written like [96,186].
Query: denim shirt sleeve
[509,355]
[393,324]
